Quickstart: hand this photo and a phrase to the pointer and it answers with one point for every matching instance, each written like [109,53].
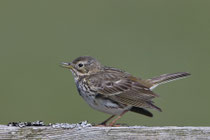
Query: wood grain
[104,133]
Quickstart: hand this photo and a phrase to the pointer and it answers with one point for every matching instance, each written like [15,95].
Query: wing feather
[123,88]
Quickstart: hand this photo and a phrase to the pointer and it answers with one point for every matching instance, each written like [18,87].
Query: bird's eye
[80,65]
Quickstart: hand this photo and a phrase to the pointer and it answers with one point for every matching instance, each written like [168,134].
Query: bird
[114,91]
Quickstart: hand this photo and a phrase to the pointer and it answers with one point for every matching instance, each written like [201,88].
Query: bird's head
[84,65]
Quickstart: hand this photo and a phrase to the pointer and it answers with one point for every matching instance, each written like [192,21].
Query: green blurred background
[145,38]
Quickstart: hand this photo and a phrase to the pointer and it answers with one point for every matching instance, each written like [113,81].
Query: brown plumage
[122,88]
[114,91]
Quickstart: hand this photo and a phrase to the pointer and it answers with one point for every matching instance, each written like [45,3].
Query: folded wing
[123,88]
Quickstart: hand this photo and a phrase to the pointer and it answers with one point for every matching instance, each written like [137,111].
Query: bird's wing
[122,88]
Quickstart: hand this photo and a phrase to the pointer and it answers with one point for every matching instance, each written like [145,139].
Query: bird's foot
[110,125]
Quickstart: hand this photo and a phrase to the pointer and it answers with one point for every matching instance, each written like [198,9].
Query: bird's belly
[103,105]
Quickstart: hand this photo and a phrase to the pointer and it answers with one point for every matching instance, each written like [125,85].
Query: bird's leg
[115,120]
[104,122]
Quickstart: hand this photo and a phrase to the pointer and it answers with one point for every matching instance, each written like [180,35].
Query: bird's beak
[66,65]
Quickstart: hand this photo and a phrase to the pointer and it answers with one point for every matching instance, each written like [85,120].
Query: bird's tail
[165,78]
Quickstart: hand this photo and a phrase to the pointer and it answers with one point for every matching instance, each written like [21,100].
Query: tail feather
[165,78]
[141,111]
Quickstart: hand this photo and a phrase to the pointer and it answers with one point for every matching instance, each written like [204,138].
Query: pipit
[114,91]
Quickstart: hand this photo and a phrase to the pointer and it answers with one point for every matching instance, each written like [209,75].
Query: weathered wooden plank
[102,133]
